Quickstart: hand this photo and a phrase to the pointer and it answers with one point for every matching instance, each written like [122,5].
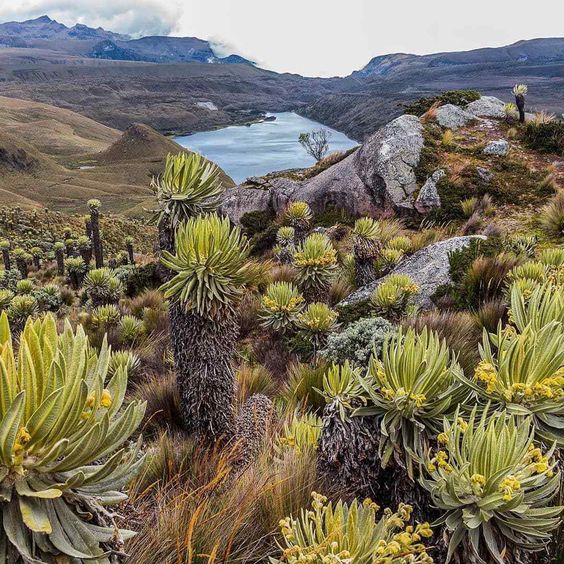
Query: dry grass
[208,514]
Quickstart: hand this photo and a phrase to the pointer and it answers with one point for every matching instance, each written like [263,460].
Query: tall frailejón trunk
[96,239]
[203,352]
[6,259]
[520,102]
[59,256]
[130,253]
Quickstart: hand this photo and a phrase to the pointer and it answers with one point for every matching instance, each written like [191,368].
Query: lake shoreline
[270,145]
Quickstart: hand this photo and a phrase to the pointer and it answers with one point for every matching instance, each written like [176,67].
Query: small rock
[453,117]
[428,197]
[499,148]
[487,106]
[484,174]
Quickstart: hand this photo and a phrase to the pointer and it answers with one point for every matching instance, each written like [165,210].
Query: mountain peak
[40,20]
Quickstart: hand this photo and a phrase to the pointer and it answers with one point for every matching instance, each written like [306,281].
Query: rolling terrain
[55,158]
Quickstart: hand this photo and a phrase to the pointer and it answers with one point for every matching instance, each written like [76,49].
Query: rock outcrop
[453,117]
[428,268]
[378,176]
[487,106]
[428,197]
[500,148]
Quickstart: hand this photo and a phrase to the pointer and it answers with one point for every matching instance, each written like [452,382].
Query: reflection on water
[243,151]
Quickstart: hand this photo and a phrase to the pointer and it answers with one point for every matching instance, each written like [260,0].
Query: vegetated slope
[167,96]
[63,176]
[53,131]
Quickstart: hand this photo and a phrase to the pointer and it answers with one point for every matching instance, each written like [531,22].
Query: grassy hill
[56,158]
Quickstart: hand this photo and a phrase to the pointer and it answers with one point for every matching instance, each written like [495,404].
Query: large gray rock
[428,268]
[499,148]
[453,117]
[487,106]
[428,197]
[378,176]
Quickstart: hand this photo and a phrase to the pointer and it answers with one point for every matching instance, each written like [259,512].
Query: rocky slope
[413,168]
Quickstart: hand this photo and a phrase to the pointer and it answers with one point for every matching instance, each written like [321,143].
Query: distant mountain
[532,52]
[97,43]
[45,28]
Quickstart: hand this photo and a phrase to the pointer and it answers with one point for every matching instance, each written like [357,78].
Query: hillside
[59,159]
[54,131]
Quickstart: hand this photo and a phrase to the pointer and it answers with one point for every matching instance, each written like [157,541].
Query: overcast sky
[313,37]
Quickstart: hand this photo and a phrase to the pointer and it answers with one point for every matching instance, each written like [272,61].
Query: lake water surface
[243,151]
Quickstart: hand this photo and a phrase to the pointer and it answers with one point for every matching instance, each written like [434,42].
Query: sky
[312,37]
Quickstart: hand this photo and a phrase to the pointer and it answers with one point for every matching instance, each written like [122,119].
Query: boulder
[428,197]
[499,148]
[428,268]
[378,176]
[487,106]
[453,117]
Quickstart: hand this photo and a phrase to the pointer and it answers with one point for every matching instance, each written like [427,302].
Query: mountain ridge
[99,43]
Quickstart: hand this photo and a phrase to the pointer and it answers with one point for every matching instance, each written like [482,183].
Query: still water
[243,151]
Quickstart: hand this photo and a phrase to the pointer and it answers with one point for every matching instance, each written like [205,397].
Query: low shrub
[358,341]
[545,136]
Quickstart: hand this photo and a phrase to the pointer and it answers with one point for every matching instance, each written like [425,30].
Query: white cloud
[312,37]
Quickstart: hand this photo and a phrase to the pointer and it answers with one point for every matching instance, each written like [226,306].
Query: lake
[243,151]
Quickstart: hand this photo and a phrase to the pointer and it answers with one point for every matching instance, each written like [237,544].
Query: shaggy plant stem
[203,349]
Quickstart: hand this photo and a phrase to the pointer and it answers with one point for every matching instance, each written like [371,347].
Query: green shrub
[547,137]
[49,298]
[254,222]
[9,279]
[352,533]
[357,342]
[136,278]
[456,97]
[5,299]
[54,429]
[415,385]
[494,486]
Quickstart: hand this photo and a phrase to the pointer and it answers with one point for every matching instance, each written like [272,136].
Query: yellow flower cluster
[478,482]
[541,462]
[508,486]
[22,439]
[105,401]
[486,374]
[390,394]
[463,425]
[443,438]
[549,388]
[440,460]
[277,307]
[401,543]
[328,258]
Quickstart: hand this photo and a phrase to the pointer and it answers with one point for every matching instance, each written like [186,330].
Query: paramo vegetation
[213,401]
